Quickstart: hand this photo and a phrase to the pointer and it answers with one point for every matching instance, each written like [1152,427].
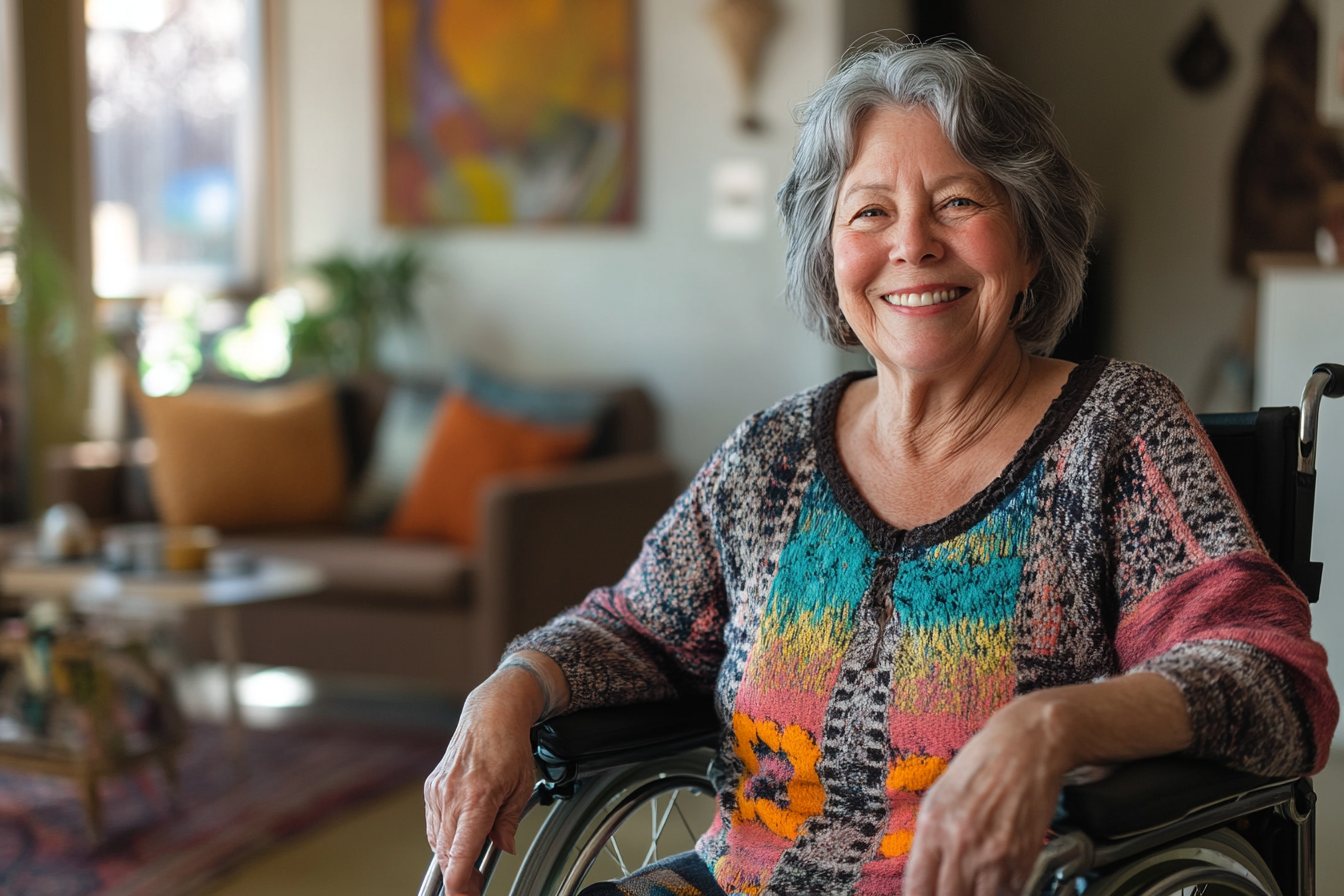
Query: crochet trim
[889,539]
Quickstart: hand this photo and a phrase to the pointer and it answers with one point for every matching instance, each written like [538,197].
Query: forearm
[1118,720]
[981,823]
[532,682]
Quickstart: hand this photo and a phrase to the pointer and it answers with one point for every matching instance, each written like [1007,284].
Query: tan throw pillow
[244,459]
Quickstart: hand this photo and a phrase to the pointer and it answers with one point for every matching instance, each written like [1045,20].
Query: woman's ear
[1032,266]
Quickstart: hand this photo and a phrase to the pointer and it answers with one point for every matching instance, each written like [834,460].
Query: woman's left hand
[981,824]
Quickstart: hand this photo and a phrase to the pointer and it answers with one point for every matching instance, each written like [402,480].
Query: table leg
[93,807]
[228,647]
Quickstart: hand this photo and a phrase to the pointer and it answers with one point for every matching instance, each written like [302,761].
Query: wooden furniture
[91,591]
[79,684]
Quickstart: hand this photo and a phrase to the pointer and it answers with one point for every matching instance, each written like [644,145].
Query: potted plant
[354,299]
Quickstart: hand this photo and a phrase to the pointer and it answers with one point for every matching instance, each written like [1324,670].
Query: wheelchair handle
[1327,381]
[432,885]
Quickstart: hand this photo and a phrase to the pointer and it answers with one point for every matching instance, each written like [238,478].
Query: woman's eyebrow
[872,187]
[951,180]
[974,179]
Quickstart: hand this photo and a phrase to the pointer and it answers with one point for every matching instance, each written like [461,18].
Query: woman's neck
[919,447]
[927,419]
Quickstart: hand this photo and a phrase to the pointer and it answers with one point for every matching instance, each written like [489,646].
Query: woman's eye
[959,202]
[871,213]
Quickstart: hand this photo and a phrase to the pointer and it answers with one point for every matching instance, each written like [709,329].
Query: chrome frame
[1326,380]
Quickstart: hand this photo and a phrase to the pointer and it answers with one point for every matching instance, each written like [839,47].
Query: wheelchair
[1170,826]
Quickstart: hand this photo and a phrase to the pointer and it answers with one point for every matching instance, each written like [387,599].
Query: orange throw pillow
[469,446]
[246,458]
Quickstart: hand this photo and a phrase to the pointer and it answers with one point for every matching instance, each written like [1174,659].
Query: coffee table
[91,590]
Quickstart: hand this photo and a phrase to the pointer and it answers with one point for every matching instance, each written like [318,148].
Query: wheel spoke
[615,849]
[652,854]
[659,824]
[686,824]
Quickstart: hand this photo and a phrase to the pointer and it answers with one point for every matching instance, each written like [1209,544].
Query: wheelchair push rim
[1219,863]
[578,830]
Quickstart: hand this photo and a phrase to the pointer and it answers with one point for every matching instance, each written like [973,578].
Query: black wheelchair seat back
[1270,456]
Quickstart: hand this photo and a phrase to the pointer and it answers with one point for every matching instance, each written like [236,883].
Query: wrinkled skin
[484,779]
[980,826]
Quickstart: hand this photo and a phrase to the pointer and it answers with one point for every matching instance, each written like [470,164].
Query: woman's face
[927,256]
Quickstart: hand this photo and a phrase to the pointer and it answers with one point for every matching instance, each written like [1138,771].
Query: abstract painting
[508,111]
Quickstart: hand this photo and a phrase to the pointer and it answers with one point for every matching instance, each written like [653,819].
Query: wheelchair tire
[1220,863]
[579,829]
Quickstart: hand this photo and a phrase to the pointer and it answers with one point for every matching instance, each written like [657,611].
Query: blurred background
[254,192]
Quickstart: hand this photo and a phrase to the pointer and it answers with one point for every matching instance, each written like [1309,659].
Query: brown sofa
[427,610]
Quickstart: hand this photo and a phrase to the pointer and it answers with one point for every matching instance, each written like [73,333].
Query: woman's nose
[914,240]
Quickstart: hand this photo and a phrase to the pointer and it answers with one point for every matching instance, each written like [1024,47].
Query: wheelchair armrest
[1150,793]
[596,739]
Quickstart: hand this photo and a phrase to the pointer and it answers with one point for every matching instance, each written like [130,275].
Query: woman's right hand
[484,779]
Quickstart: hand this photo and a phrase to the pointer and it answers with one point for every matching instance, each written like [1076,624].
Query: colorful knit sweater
[851,660]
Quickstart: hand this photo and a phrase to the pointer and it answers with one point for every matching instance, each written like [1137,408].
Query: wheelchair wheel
[617,822]
[1220,863]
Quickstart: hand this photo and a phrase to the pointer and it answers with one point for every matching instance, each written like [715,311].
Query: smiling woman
[932,590]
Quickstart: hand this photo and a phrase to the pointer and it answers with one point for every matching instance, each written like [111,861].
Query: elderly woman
[931,591]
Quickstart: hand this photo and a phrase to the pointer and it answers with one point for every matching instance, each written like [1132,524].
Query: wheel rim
[1204,882]
[604,840]
[549,866]
[1227,862]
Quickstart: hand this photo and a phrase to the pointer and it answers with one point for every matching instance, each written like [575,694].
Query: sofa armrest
[547,539]
[108,480]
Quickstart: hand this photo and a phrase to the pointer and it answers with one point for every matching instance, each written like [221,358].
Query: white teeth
[918,300]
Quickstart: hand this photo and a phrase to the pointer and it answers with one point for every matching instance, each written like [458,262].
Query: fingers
[975,834]
[458,849]
[504,836]
[921,870]
[511,815]
[960,872]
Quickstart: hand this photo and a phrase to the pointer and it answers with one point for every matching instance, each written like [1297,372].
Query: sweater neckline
[888,538]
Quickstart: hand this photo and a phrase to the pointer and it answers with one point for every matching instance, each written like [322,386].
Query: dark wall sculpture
[1286,155]
[1203,59]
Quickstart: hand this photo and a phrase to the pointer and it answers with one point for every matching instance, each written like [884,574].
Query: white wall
[1301,325]
[702,322]
[1162,155]
[9,95]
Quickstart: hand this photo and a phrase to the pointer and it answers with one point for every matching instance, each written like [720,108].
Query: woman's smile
[924,296]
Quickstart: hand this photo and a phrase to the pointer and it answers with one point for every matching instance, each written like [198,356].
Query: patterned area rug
[295,778]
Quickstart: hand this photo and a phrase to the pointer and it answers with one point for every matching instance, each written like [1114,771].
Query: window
[175,114]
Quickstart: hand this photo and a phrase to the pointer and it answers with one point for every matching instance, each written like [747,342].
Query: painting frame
[521,114]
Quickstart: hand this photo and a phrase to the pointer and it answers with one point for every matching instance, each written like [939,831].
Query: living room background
[701,321]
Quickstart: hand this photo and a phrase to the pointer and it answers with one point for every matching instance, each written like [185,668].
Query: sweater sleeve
[657,633]
[1203,605]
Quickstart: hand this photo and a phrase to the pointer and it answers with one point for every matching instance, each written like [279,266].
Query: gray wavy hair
[994,122]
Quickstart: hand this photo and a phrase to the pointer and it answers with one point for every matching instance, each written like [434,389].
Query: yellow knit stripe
[965,670]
